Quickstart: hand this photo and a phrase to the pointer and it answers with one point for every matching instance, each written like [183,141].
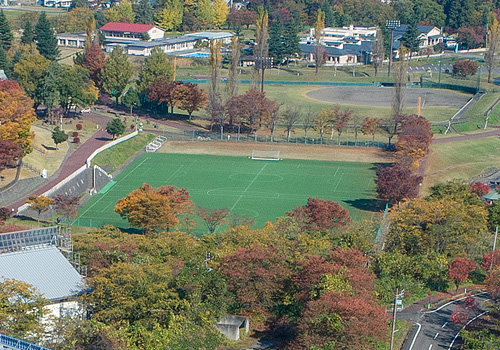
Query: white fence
[81,169]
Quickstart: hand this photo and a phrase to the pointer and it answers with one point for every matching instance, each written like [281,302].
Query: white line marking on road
[456,336]
[444,325]
[436,335]
[250,184]
[454,301]
[430,347]
[415,337]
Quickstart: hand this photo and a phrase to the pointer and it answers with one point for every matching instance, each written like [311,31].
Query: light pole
[263,63]
[391,24]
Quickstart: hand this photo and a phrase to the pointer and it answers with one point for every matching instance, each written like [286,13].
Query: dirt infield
[346,154]
[382,96]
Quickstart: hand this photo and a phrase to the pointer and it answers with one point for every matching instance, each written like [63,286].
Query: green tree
[47,91]
[59,136]
[144,12]
[76,88]
[6,35]
[220,13]
[291,40]
[429,11]
[115,127]
[22,310]
[131,98]
[121,12]
[205,13]
[4,62]
[28,34]
[46,41]
[410,37]
[29,71]
[493,35]
[39,204]
[116,73]
[459,13]
[170,17]
[276,42]
[155,66]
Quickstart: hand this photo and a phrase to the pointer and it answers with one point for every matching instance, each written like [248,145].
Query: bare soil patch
[346,154]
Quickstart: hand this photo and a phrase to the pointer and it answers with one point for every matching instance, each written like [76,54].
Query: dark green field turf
[263,189]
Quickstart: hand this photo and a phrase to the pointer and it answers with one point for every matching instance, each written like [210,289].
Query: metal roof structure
[9,343]
[46,268]
[210,35]
[126,27]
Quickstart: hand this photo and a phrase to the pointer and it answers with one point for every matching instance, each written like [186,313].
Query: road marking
[454,301]
[444,325]
[430,347]
[250,184]
[456,336]
[415,337]
[436,335]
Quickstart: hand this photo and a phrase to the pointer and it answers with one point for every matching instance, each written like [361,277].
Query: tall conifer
[45,38]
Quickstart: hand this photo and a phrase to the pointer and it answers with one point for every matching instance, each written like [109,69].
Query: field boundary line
[250,184]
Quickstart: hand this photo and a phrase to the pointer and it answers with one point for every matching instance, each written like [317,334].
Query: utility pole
[439,80]
[494,247]
[398,300]
[391,24]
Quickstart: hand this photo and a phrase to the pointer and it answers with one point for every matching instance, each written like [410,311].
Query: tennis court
[263,189]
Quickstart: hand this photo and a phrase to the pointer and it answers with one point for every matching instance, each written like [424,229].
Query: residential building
[131,31]
[336,35]
[57,3]
[429,36]
[144,48]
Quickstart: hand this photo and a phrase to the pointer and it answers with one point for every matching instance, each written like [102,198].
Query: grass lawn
[264,190]
[117,155]
[460,160]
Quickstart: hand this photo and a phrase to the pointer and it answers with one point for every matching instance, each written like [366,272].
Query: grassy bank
[117,155]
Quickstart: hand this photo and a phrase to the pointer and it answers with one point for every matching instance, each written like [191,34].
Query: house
[352,32]
[76,39]
[225,37]
[57,3]
[144,48]
[34,257]
[131,31]
[429,36]
[335,56]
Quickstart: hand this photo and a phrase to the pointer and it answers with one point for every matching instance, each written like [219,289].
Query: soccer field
[263,189]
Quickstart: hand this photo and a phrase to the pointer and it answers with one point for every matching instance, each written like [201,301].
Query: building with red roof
[131,31]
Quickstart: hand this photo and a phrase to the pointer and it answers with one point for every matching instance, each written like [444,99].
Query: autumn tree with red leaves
[253,107]
[189,97]
[255,276]
[154,208]
[479,188]
[10,153]
[320,214]
[94,60]
[162,91]
[213,218]
[370,126]
[459,270]
[340,120]
[397,183]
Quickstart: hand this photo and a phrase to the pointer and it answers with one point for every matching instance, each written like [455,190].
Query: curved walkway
[74,161]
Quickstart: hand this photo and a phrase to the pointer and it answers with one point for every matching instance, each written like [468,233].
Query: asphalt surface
[434,329]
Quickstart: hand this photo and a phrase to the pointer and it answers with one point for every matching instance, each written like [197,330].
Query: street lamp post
[391,24]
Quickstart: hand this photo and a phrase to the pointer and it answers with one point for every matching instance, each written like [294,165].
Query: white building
[131,31]
[331,34]
[76,39]
[207,36]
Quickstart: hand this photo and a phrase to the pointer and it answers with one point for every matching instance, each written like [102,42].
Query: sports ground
[265,190]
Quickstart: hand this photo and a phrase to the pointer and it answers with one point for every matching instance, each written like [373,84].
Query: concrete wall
[231,326]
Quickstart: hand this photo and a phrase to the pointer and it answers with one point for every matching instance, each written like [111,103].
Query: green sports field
[263,189]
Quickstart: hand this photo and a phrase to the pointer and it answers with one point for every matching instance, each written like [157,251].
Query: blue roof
[47,269]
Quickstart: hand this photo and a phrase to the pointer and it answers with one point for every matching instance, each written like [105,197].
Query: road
[434,330]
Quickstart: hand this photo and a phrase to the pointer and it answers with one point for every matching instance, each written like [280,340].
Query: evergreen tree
[276,46]
[143,12]
[4,63]
[45,38]
[100,18]
[410,37]
[6,35]
[330,17]
[291,39]
[28,34]
[79,4]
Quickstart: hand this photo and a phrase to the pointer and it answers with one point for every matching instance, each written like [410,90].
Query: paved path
[495,132]
[73,162]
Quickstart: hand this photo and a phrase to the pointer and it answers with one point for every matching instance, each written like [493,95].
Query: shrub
[76,140]
[463,68]
[4,214]
[132,126]
[75,133]
[79,126]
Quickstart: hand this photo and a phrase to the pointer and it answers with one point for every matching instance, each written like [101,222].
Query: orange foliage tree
[16,115]
[154,208]
[189,97]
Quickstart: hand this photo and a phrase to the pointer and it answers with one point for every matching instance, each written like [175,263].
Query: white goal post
[265,155]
